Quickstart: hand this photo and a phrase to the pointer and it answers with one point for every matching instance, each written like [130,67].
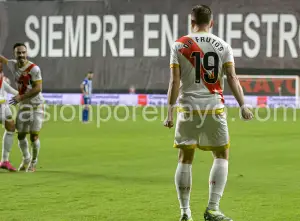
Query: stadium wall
[126,43]
[161,100]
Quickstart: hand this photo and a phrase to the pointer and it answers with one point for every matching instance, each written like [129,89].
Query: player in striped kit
[30,115]
[6,118]
[86,89]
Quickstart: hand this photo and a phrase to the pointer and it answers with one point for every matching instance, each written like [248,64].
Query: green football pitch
[125,171]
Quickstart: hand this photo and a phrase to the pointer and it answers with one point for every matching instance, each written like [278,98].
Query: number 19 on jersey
[202,70]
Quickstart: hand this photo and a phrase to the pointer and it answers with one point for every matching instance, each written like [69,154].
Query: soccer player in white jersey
[6,118]
[198,62]
[31,111]
[6,79]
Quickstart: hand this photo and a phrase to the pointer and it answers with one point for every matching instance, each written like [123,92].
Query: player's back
[201,57]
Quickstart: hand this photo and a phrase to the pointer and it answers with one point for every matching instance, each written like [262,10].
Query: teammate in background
[30,114]
[6,79]
[86,89]
[198,62]
[9,124]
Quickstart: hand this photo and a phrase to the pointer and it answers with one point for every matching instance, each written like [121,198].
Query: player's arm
[174,84]
[173,90]
[9,89]
[234,84]
[82,87]
[10,63]
[237,91]
[36,89]
[3,60]
[232,79]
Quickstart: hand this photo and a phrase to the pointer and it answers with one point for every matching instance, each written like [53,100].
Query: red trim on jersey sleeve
[187,52]
[1,79]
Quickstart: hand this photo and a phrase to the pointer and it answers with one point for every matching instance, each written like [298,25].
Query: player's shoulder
[12,65]
[192,36]
[85,81]
[180,42]
[11,62]
[34,68]
[223,43]
[183,39]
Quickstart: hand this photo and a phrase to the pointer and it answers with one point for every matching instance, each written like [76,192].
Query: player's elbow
[232,79]
[175,80]
[174,83]
[175,77]
[38,88]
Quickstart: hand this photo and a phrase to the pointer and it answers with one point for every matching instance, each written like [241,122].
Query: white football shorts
[207,132]
[5,112]
[30,119]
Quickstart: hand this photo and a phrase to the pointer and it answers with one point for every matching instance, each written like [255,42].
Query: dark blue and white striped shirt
[87,86]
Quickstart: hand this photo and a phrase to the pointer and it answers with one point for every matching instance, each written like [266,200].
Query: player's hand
[15,100]
[246,113]
[169,122]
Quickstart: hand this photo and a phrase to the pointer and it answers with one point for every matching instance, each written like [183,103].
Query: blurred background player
[30,114]
[9,124]
[86,89]
[197,63]
[6,79]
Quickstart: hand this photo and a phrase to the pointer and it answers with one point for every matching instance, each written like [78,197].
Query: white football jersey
[25,77]
[5,88]
[201,58]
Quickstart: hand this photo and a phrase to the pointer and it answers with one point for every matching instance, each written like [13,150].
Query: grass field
[125,171]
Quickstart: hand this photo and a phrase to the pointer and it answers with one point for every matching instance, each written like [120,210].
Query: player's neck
[199,29]
[20,65]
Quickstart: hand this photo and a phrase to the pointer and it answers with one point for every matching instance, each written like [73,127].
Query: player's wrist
[243,107]
[171,109]
[241,103]
[22,97]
